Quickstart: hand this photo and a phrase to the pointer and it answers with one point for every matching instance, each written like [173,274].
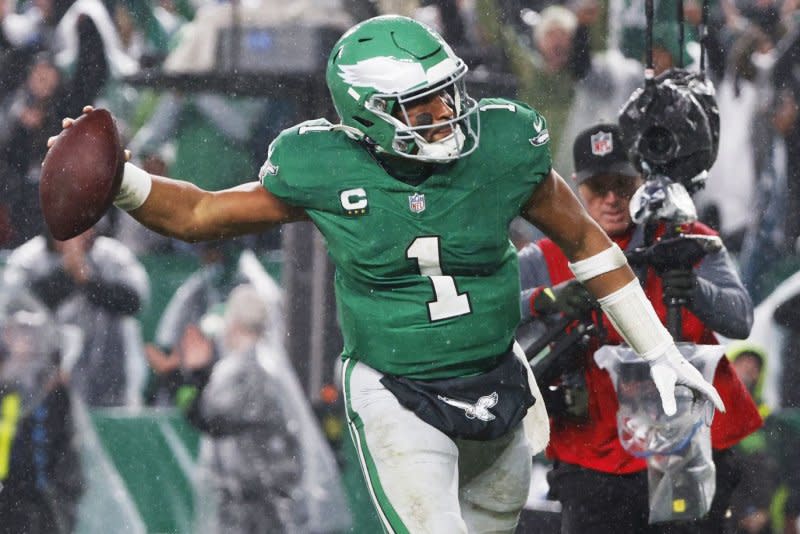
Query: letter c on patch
[354,199]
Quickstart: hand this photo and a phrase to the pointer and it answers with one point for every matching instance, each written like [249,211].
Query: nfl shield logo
[416,202]
[602,143]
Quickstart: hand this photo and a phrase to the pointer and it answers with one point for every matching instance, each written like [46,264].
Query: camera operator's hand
[570,298]
[679,284]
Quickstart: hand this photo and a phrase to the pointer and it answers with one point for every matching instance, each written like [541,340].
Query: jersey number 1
[448,302]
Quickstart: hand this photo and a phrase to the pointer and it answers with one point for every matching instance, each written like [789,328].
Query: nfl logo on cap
[416,202]
[602,143]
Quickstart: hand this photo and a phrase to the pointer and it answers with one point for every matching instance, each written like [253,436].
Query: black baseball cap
[599,150]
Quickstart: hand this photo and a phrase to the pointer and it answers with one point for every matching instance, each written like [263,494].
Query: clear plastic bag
[680,467]
[682,485]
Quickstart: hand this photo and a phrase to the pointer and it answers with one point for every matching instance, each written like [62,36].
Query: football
[81,174]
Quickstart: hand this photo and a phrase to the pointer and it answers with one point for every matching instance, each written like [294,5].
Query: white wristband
[602,262]
[135,188]
[636,321]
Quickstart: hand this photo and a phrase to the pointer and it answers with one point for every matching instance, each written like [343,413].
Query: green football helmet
[385,64]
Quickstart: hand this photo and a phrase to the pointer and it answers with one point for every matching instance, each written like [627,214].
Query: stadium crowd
[142,319]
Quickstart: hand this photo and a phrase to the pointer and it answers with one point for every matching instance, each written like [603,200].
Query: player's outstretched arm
[183,210]
[180,209]
[602,267]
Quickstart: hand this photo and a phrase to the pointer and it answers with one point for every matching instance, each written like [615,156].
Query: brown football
[81,174]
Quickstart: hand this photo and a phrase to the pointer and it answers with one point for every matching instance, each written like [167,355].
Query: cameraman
[601,487]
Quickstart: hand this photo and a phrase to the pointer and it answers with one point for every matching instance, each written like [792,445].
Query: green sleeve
[295,170]
[515,138]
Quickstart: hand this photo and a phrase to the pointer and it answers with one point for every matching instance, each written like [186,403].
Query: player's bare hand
[67,122]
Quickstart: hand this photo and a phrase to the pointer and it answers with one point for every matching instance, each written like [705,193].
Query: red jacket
[594,444]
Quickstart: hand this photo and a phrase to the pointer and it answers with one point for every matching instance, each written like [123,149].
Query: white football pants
[423,482]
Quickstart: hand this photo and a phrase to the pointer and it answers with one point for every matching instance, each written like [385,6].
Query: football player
[414,190]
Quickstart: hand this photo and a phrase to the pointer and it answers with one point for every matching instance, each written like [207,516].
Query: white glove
[672,368]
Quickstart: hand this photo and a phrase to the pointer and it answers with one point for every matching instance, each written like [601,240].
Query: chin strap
[443,150]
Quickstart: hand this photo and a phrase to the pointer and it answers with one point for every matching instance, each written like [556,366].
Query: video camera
[671,127]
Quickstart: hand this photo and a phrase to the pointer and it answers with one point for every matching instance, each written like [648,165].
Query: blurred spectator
[197,50]
[787,315]
[627,24]
[145,29]
[24,33]
[546,74]
[171,382]
[192,320]
[764,103]
[27,118]
[96,284]
[255,459]
[81,37]
[14,54]
[745,100]
[197,122]
[608,83]
[786,78]
[750,502]
[70,72]
[604,82]
[86,35]
[40,473]
[777,341]
[35,24]
[561,75]
[458,23]
[667,50]
[782,425]
[783,433]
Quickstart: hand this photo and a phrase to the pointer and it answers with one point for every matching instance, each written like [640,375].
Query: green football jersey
[427,281]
